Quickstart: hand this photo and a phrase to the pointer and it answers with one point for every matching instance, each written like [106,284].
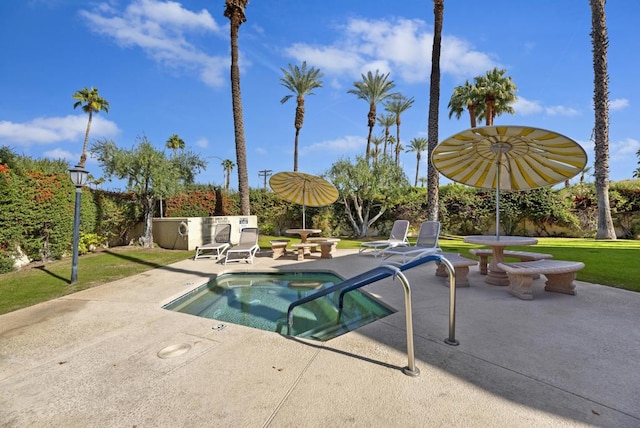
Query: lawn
[612,263]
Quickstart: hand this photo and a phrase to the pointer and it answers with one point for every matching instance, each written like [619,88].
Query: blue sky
[164,68]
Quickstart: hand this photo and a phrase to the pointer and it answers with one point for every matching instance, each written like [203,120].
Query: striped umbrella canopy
[508,158]
[304,189]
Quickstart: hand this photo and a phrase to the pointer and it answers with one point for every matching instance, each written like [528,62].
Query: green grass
[612,263]
[39,283]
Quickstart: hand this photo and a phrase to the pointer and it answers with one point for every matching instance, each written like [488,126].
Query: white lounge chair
[398,237]
[246,248]
[426,243]
[221,242]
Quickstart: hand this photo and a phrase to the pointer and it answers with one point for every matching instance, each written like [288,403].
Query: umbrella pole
[304,226]
[498,201]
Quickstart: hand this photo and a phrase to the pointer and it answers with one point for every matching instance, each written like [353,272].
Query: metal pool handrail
[382,272]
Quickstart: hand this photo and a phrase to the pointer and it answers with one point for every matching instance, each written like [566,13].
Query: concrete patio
[92,359]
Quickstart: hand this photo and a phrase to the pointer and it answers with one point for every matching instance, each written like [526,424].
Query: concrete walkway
[93,359]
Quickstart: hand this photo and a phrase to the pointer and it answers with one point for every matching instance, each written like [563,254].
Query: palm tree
[175,143]
[234,10]
[599,40]
[396,105]
[91,102]
[498,92]
[373,89]
[434,111]
[386,121]
[228,165]
[417,145]
[301,81]
[375,152]
[465,97]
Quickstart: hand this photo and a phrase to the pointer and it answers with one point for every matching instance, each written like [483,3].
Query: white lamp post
[79,177]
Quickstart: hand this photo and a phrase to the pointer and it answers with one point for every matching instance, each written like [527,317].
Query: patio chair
[398,237]
[426,243]
[221,242]
[246,248]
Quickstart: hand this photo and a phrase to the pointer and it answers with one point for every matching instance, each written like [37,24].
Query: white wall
[186,233]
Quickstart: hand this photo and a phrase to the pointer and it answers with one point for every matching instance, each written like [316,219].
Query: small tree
[367,191]
[149,173]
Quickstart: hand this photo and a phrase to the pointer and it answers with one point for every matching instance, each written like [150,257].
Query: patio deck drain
[173,351]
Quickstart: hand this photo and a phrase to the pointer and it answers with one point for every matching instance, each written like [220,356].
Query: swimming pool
[261,299]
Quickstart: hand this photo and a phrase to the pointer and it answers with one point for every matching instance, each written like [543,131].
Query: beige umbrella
[304,189]
[508,158]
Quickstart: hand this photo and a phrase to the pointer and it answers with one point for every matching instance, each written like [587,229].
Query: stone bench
[326,245]
[523,256]
[461,266]
[303,248]
[560,275]
[279,247]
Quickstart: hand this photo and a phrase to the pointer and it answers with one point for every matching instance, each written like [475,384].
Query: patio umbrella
[508,158]
[304,189]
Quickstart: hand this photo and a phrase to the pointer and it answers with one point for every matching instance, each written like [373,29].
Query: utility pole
[264,174]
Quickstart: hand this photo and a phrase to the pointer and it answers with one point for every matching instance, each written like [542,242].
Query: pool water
[261,299]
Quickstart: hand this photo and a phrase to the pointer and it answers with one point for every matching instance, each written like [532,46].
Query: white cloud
[202,143]
[624,150]
[344,145]
[59,153]
[159,29]
[619,104]
[561,111]
[403,45]
[50,130]
[525,107]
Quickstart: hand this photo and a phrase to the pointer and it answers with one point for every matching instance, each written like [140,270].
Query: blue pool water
[261,299]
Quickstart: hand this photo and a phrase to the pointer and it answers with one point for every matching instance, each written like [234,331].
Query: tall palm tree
[498,92]
[228,165]
[301,81]
[386,121]
[600,41]
[373,89]
[417,145]
[465,97]
[434,102]
[234,10]
[91,102]
[175,143]
[396,105]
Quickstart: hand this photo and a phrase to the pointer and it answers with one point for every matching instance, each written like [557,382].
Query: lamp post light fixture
[79,177]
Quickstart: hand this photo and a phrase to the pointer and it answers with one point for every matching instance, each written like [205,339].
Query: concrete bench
[303,248]
[279,247]
[326,245]
[461,266]
[523,256]
[560,275]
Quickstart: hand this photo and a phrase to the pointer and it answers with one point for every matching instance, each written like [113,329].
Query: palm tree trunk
[434,100]
[600,41]
[236,18]
[83,156]
[371,121]
[472,115]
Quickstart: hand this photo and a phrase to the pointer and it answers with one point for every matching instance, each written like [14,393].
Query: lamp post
[79,177]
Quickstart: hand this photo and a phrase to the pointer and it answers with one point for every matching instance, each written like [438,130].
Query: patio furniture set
[518,276]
